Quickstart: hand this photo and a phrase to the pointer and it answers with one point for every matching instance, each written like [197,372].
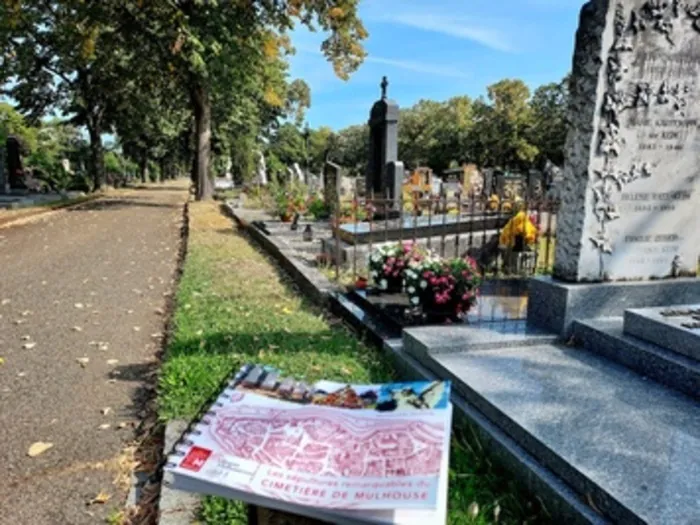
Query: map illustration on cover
[327,446]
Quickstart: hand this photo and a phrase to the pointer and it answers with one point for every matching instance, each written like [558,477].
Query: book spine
[195,428]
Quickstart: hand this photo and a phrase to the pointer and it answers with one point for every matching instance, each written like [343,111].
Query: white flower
[375,274]
[375,258]
[411,274]
[383,284]
[411,289]
[415,300]
[424,284]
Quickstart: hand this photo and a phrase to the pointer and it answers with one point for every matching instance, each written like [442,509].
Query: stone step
[667,331]
[628,446]
[484,335]
[606,337]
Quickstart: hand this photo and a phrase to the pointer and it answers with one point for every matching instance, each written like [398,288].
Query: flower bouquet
[388,263]
[443,288]
[520,233]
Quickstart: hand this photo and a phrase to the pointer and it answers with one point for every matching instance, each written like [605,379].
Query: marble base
[627,445]
[606,337]
[649,324]
[554,305]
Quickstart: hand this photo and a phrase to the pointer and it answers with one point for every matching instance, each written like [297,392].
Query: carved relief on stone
[658,15]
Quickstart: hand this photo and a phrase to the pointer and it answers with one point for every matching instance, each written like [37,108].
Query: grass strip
[235,306]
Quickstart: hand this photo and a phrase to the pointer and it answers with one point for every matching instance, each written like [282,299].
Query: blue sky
[436,49]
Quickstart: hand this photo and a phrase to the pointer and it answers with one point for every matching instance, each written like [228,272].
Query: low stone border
[27,213]
[313,283]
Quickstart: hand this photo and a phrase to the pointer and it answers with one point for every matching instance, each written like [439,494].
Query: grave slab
[481,336]
[555,305]
[606,337]
[668,331]
[626,444]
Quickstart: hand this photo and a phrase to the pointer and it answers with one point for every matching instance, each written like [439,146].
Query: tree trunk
[202,122]
[96,154]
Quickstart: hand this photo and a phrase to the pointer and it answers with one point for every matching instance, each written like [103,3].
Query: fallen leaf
[83,361]
[5,301]
[44,283]
[137,328]
[105,411]
[2,360]
[286,311]
[26,313]
[26,337]
[100,499]
[20,321]
[28,346]
[38,448]
[77,329]
[129,311]
[112,362]
[104,426]
[21,374]
[157,335]
[159,311]
[123,424]
[79,305]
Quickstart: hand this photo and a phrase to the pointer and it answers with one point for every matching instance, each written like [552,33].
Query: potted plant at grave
[518,236]
[318,208]
[351,212]
[387,265]
[443,288]
[284,207]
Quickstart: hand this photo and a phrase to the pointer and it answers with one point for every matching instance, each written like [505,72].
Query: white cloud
[419,67]
[408,65]
[458,27]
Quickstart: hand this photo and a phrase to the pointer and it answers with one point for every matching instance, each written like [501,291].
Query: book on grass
[335,452]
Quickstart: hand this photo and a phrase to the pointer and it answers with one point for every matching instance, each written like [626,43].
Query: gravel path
[87,284]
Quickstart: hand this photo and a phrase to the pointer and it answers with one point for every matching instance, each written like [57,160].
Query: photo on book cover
[418,395]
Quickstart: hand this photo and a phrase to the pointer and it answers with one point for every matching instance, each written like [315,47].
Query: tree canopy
[176,81]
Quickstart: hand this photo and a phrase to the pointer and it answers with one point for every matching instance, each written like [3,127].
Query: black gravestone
[15,171]
[383,142]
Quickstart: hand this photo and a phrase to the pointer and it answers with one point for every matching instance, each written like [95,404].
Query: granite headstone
[629,194]
[383,141]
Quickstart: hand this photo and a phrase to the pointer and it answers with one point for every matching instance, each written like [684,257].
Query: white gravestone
[629,195]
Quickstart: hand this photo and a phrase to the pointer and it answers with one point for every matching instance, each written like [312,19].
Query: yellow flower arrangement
[519,224]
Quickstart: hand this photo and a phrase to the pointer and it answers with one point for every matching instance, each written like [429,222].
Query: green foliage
[318,209]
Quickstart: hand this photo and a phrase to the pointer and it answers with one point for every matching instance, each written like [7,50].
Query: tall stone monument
[628,228]
[383,145]
[631,177]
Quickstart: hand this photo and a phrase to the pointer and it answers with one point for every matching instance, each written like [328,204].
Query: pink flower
[427,275]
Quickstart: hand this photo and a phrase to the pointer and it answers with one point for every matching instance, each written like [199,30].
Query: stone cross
[631,178]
